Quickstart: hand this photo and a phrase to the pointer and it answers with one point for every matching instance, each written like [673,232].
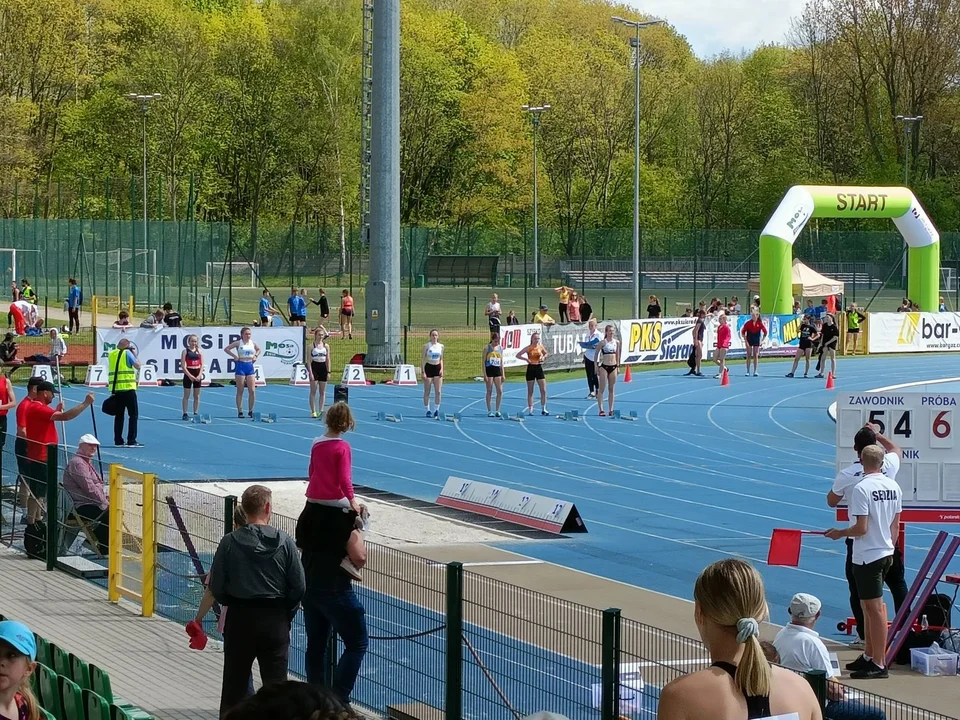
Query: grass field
[458,307]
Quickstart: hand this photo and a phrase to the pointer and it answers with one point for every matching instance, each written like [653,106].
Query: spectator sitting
[292,700]
[84,485]
[542,317]
[905,305]
[171,318]
[770,652]
[123,320]
[154,321]
[8,350]
[58,346]
[512,318]
[801,649]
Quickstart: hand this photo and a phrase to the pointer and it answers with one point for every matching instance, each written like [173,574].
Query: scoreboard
[924,426]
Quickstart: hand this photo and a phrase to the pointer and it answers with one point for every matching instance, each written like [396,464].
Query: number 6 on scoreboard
[941,428]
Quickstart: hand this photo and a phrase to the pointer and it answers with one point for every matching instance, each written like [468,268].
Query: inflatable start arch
[803,202]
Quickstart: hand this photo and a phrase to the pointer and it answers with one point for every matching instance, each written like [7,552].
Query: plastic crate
[929,661]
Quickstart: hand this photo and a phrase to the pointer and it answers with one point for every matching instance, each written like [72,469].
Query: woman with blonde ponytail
[729,605]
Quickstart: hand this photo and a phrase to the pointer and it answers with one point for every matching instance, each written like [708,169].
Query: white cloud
[712,26]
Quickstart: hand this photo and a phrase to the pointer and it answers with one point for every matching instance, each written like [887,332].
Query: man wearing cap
[801,649]
[843,485]
[84,485]
[122,366]
[543,318]
[20,443]
[41,430]
[18,655]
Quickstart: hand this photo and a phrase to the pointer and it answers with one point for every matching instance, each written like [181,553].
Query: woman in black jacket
[324,305]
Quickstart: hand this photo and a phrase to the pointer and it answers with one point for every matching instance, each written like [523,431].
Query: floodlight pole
[908,124]
[143,100]
[635,42]
[535,111]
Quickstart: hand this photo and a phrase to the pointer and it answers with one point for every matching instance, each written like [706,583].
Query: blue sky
[712,26]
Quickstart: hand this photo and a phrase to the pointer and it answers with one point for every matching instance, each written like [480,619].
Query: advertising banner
[661,340]
[513,339]
[563,343]
[913,332]
[280,349]
[781,341]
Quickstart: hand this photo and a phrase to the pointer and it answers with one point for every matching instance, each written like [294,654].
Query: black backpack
[939,610]
[35,540]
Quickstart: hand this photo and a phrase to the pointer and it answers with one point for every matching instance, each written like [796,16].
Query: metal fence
[444,641]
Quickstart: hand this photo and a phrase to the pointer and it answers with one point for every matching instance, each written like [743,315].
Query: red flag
[785,546]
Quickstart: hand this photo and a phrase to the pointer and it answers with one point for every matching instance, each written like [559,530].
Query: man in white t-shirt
[801,649]
[875,506]
[843,485]
[492,312]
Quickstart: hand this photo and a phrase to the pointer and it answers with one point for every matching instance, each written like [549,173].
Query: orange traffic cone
[626,375]
[830,384]
[725,380]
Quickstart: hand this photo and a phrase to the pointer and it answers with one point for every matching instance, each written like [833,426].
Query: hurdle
[387,417]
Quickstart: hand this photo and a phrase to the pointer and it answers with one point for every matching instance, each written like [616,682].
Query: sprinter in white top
[843,485]
[875,504]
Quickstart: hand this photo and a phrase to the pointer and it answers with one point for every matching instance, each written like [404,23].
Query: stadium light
[143,100]
[535,111]
[635,42]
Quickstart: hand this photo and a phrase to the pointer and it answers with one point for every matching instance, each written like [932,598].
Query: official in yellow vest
[122,364]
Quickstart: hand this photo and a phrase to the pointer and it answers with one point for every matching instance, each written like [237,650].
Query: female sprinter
[723,344]
[346,315]
[534,354]
[191,360]
[493,372]
[808,335]
[753,333]
[432,372]
[729,605]
[608,361]
[319,368]
[829,339]
[245,353]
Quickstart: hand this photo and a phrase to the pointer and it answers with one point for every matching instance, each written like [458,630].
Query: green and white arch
[803,202]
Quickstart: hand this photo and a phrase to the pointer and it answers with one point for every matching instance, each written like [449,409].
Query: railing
[444,641]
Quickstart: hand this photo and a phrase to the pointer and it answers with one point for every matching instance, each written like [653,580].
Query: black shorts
[534,372]
[493,371]
[433,371]
[320,371]
[265,321]
[869,577]
[753,340]
[189,383]
[805,344]
[37,477]
[347,313]
[298,318]
[611,369]
[853,331]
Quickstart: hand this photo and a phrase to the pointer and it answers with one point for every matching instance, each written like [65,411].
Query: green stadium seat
[80,672]
[100,684]
[50,692]
[43,651]
[46,715]
[61,661]
[71,696]
[97,708]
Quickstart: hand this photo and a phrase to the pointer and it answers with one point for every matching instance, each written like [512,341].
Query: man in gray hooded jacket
[257,574]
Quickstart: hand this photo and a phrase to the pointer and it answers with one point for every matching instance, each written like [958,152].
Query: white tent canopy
[807,283]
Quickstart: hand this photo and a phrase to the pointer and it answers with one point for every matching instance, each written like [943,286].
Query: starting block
[265,417]
[384,417]
[202,419]
[452,417]
[516,418]
[620,416]
[571,415]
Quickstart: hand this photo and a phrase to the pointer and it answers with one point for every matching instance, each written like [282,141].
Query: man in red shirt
[41,430]
[20,443]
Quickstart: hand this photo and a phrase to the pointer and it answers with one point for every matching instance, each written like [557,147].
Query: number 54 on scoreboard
[922,424]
